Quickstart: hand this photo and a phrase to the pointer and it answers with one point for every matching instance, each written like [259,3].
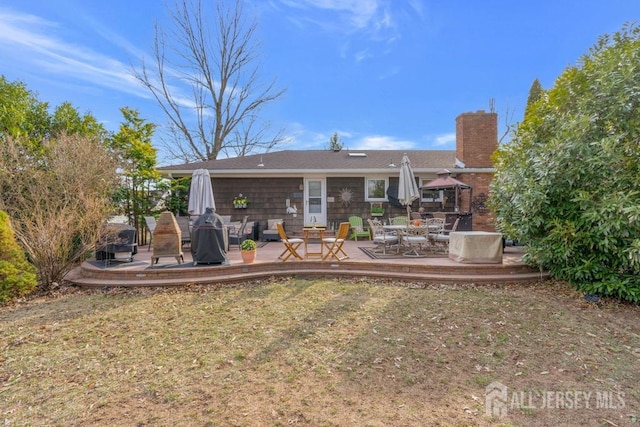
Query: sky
[383,74]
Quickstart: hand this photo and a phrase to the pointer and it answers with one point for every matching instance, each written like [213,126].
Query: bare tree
[508,124]
[508,119]
[250,135]
[205,78]
[57,199]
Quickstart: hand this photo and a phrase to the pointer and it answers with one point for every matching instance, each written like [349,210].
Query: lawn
[320,353]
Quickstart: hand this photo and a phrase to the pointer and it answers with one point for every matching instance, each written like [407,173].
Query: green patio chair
[358,229]
[399,220]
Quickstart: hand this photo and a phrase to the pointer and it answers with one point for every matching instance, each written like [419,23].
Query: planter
[248,256]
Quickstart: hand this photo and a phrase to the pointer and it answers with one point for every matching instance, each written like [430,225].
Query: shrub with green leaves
[17,275]
[248,245]
[568,184]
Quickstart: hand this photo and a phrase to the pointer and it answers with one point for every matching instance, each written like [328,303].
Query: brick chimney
[476,138]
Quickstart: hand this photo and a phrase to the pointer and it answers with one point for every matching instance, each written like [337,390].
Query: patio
[167,272]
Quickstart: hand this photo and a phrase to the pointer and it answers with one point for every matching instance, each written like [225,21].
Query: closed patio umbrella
[407,188]
[200,193]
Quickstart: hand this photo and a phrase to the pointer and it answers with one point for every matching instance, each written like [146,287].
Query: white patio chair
[415,239]
[381,237]
[440,239]
[398,220]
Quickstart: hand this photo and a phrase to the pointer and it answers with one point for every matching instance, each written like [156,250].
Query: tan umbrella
[200,193]
[407,188]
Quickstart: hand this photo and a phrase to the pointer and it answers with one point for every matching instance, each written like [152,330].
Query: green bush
[17,275]
[567,184]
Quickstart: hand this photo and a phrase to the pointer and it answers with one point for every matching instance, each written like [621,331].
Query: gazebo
[445,181]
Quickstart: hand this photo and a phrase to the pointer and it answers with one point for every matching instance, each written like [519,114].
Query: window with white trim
[376,189]
[430,196]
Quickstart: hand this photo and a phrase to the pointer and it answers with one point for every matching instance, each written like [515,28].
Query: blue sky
[383,74]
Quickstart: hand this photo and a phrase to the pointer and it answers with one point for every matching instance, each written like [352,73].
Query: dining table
[398,229]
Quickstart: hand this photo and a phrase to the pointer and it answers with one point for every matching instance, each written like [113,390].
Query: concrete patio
[168,272]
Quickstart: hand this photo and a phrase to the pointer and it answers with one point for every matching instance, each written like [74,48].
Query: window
[427,195]
[376,189]
[431,195]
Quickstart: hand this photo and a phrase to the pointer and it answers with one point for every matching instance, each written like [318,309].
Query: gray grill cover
[209,239]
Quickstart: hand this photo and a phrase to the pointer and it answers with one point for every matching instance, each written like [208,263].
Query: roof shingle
[326,160]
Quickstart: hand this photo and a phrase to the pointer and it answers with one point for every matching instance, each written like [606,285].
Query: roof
[327,162]
[444,180]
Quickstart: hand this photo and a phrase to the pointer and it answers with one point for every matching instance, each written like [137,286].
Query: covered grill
[118,242]
[209,239]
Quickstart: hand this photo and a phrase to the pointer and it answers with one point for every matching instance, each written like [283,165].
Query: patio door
[315,207]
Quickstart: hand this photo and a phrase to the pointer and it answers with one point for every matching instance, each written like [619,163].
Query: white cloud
[381,142]
[445,139]
[357,13]
[25,40]
[300,138]
[361,55]
[417,7]
[389,72]
[361,21]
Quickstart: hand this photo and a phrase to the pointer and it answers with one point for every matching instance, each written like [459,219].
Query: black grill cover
[208,239]
[117,238]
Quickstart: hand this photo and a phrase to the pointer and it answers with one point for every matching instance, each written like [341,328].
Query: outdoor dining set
[315,243]
[412,238]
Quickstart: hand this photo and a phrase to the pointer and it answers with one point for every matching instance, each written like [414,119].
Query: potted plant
[240,202]
[248,250]
[377,209]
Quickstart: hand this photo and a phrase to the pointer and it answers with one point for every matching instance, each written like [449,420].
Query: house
[326,187]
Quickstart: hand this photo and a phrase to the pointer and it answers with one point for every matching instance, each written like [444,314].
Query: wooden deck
[168,272]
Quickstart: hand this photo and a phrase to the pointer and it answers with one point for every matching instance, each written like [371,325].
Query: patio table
[395,228]
[313,233]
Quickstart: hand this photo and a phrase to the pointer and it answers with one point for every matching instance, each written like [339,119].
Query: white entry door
[315,207]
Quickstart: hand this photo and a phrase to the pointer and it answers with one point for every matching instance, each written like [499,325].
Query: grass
[320,353]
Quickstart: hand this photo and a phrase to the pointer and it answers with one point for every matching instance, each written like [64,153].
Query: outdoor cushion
[271,223]
[270,233]
[249,229]
[357,228]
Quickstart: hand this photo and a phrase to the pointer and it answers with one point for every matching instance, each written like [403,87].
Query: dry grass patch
[320,353]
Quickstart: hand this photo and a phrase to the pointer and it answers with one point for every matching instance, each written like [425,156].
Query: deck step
[92,277]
